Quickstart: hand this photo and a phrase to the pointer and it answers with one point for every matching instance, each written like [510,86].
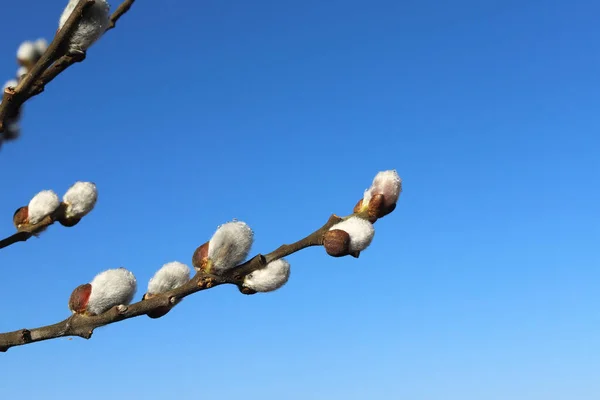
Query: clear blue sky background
[483,285]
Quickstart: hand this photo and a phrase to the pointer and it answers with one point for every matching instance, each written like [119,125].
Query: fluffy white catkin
[269,278]
[27,52]
[93,24]
[41,45]
[22,71]
[111,288]
[12,83]
[361,232]
[80,199]
[230,245]
[389,184]
[41,205]
[171,276]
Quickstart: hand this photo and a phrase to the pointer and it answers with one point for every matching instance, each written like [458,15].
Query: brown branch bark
[122,9]
[52,63]
[52,72]
[16,238]
[83,326]
[25,232]
[67,60]
[14,98]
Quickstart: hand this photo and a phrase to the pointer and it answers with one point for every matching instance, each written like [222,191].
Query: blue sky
[481,285]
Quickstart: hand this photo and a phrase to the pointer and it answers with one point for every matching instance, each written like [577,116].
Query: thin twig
[83,326]
[15,97]
[122,9]
[25,232]
[17,237]
[53,62]
[52,72]
[67,60]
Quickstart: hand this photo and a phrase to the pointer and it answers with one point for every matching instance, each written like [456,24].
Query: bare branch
[17,237]
[27,231]
[14,98]
[53,62]
[83,326]
[52,72]
[122,9]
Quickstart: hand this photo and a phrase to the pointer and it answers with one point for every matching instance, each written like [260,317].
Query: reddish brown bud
[388,210]
[159,312]
[79,298]
[200,257]
[336,243]
[246,290]
[62,219]
[358,206]
[68,222]
[376,207]
[20,216]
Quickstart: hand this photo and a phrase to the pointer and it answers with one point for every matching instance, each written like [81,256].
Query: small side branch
[16,238]
[15,97]
[26,232]
[53,62]
[119,12]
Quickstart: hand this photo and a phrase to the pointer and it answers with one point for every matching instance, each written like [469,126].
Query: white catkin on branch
[22,71]
[27,53]
[171,276]
[11,83]
[229,246]
[269,278]
[92,26]
[41,205]
[41,45]
[111,288]
[387,183]
[80,199]
[361,232]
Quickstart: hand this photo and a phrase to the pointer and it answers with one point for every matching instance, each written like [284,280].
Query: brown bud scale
[68,222]
[20,216]
[388,210]
[246,290]
[79,298]
[358,206]
[336,243]
[200,257]
[159,312]
[376,207]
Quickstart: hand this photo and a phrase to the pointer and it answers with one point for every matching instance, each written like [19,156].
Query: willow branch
[53,62]
[119,12]
[25,232]
[83,326]
[67,60]
[52,72]
[15,97]
[16,238]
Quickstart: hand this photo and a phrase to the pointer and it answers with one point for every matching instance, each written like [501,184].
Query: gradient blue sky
[483,285]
